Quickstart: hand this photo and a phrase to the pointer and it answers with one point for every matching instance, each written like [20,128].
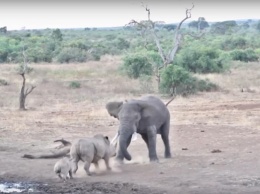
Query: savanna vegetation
[204,48]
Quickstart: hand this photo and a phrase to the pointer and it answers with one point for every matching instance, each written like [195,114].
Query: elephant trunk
[124,140]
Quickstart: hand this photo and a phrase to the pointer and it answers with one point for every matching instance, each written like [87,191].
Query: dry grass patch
[241,76]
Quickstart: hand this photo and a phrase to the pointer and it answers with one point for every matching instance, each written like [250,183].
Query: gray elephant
[148,116]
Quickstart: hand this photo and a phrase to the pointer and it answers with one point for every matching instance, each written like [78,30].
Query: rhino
[63,168]
[91,150]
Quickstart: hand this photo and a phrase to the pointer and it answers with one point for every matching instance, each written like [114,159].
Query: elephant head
[129,115]
[114,108]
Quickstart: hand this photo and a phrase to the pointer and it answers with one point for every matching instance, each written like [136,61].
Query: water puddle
[9,187]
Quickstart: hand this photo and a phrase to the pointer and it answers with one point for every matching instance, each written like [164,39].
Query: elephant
[147,116]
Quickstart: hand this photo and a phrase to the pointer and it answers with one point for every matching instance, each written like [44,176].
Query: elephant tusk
[115,138]
[134,136]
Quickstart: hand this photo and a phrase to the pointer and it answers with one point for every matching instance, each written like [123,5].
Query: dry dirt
[215,142]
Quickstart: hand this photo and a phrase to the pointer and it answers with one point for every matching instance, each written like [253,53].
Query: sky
[40,14]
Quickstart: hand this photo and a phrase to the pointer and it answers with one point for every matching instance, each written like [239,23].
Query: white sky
[33,14]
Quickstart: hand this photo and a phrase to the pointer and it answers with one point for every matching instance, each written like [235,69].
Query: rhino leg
[107,163]
[74,165]
[96,165]
[86,167]
[70,174]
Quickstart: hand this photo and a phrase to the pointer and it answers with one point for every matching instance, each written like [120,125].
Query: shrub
[234,43]
[71,54]
[175,80]
[244,55]
[202,60]
[205,85]
[74,84]
[136,65]
[122,44]
[3,82]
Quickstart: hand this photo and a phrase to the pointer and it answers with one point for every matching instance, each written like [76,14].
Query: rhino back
[83,149]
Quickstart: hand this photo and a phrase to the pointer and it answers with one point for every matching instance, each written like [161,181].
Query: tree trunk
[22,94]
[158,82]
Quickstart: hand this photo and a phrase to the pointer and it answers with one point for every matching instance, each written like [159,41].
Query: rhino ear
[106,137]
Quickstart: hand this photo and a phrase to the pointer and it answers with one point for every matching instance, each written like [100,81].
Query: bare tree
[24,69]
[148,26]
[3,30]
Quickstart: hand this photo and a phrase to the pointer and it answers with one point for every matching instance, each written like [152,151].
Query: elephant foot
[154,159]
[168,155]
[119,161]
[119,158]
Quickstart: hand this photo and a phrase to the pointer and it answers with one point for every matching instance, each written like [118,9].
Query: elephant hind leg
[165,137]
[145,138]
[151,134]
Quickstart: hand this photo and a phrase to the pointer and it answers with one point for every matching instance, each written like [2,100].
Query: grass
[55,110]
[100,81]
[97,80]
[242,75]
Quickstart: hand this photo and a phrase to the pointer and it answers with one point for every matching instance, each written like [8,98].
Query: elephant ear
[145,107]
[113,108]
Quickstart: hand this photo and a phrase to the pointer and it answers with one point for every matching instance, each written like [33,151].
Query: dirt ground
[215,142]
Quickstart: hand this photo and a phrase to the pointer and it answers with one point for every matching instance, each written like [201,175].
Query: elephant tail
[59,154]
[170,100]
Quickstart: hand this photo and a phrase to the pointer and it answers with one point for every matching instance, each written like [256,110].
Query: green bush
[175,80]
[71,54]
[135,65]
[244,55]
[74,84]
[3,82]
[202,60]
[232,43]
[205,85]
[122,44]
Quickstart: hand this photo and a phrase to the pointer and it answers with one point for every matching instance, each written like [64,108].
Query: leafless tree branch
[149,26]
[178,37]
[148,11]
[28,91]
[188,15]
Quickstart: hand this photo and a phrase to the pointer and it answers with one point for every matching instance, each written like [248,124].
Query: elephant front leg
[151,134]
[120,155]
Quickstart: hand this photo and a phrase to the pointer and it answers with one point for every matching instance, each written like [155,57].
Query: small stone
[216,151]
[184,148]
